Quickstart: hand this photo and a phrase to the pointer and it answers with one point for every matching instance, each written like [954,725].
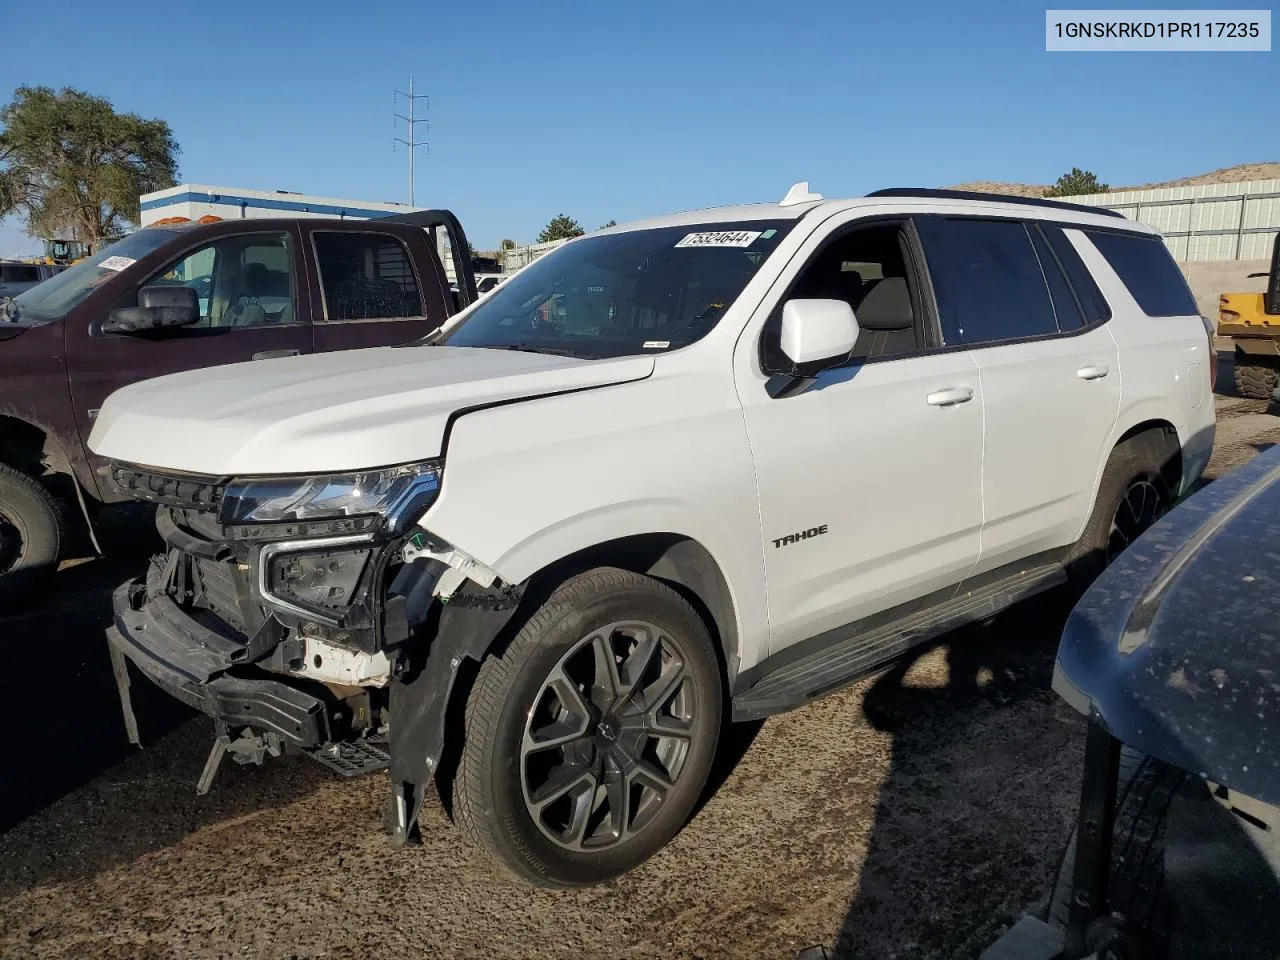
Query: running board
[860,652]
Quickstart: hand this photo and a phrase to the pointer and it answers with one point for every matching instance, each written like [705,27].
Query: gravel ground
[908,816]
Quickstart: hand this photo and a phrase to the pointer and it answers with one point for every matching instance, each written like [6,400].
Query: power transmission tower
[412,143]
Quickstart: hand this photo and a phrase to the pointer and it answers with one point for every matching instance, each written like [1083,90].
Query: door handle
[950,396]
[274,354]
[1095,371]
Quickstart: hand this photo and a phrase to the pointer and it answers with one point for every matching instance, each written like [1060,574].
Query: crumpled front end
[299,629]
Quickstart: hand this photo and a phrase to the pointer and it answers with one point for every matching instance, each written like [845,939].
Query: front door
[870,480]
[252,307]
[375,288]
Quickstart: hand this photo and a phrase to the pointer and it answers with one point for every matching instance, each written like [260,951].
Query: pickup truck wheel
[1132,496]
[588,742]
[30,537]
[1255,380]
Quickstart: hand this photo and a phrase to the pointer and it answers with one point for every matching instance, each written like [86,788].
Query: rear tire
[30,538]
[1132,495]
[547,749]
[1255,379]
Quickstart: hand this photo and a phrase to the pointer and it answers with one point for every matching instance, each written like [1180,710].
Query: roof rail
[992,197]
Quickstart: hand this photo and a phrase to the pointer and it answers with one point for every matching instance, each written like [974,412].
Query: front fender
[529,484]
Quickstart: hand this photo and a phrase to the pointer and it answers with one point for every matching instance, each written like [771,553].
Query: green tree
[560,227]
[1076,183]
[71,164]
[607,224]
[506,244]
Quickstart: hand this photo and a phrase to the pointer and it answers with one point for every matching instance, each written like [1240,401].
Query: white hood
[328,412]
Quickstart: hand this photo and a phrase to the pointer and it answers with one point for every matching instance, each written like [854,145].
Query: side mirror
[816,332]
[159,307]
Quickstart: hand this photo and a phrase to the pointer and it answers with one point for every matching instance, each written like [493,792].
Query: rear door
[1049,369]
[252,304]
[374,286]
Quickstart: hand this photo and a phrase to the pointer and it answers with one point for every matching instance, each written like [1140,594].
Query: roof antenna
[799,193]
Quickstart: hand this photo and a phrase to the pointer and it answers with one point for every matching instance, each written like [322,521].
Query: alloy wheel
[607,736]
[1139,507]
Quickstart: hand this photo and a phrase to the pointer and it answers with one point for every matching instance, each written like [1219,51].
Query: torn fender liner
[463,628]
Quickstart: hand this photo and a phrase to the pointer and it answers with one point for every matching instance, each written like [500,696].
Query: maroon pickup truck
[177,297]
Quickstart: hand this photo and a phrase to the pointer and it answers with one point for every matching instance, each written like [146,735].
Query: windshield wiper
[536,348]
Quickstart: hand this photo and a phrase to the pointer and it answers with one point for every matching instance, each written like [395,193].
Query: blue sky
[622,110]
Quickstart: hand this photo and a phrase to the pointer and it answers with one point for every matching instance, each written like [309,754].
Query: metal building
[1208,221]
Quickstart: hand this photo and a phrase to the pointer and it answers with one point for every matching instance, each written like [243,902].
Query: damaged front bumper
[345,648]
[195,664]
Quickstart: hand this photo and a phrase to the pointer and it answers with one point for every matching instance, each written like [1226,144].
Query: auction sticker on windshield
[116,263]
[720,238]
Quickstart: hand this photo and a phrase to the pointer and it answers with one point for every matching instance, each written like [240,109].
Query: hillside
[1241,171]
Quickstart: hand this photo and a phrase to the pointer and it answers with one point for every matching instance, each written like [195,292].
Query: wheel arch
[31,448]
[38,452]
[1138,424]
[677,560]
[1171,467]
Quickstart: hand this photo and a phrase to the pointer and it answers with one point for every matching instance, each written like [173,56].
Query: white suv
[700,468]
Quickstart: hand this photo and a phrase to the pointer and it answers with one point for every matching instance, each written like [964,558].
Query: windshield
[56,296]
[644,291]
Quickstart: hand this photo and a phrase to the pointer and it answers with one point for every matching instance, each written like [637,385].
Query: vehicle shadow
[75,796]
[1225,384]
[962,833]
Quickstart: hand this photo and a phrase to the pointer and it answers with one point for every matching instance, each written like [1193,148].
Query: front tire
[588,742]
[30,539]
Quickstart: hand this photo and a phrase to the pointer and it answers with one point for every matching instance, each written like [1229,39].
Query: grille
[190,492]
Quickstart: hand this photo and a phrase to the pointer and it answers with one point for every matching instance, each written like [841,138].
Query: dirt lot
[908,816]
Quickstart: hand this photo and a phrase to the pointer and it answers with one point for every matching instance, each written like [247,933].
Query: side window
[1086,290]
[1145,266]
[366,276]
[1066,309]
[240,281]
[867,268]
[987,280]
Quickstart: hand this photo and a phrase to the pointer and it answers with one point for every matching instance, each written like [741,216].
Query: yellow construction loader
[1252,321]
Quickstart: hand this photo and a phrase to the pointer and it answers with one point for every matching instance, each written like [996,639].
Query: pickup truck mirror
[159,307]
[817,332]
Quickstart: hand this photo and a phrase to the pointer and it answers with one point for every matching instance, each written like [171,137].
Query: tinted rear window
[1065,306]
[1086,290]
[1149,273]
[987,280]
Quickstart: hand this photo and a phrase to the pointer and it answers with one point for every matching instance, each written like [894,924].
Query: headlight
[397,494]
